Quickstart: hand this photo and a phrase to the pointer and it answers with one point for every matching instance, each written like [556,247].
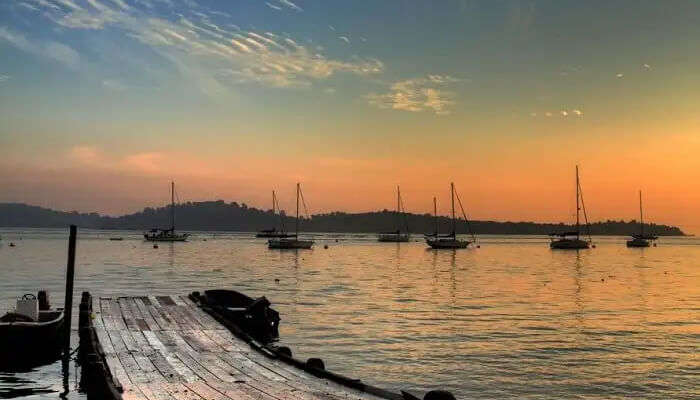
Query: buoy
[12,244]
[439,395]
[336,240]
[277,280]
[325,246]
[155,246]
[316,363]
[478,246]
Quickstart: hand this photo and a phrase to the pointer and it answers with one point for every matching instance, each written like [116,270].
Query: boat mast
[641,215]
[454,226]
[578,207]
[398,209]
[435,214]
[297,223]
[172,206]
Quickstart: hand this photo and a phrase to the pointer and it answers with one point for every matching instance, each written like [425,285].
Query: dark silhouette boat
[32,334]
[274,233]
[292,241]
[641,239]
[397,236]
[449,241]
[167,235]
[572,240]
[253,316]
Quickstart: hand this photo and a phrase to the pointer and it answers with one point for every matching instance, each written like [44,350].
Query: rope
[585,216]
[303,202]
[465,217]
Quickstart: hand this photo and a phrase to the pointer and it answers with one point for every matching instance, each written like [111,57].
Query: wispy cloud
[344,39]
[646,66]
[204,52]
[114,85]
[51,49]
[274,7]
[416,95]
[4,78]
[619,75]
[291,5]
[577,112]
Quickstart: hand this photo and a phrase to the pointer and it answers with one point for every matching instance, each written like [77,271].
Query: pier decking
[166,347]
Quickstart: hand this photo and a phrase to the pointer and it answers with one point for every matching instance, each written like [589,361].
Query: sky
[104,102]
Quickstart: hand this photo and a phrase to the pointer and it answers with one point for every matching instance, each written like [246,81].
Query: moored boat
[450,240]
[273,232]
[641,239]
[167,235]
[397,236]
[572,240]
[292,241]
[32,334]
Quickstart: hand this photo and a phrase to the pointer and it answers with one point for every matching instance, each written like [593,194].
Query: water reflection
[509,320]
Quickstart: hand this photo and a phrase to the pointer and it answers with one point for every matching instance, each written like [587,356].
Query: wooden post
[68,304]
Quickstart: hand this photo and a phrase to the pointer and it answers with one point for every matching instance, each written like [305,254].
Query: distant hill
[219,215]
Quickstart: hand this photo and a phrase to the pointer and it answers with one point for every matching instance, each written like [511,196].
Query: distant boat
[397,236]
[167,235]
[274,233]
[116,238]
[448,241]
[641,239]
[572,240]
[292,242]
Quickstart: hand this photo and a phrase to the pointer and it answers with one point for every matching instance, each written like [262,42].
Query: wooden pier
[168,347]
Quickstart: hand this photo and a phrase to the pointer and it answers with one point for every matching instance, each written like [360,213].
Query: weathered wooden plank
[129,341]
[132,369]
[106,317]
[147,317]
[104,340]
[117,341]
[139,318]
[240,391]
[115,313]
[126,314]
[155,391]
[206,391]
[182,392]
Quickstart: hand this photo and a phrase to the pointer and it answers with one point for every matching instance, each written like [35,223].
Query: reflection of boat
[397,235]
[449,241]
[292,241]
[274,233]
[572,240]
[32,334]
[167,235]
[641,240]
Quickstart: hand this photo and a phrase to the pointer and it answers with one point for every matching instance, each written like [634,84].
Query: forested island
[222,216]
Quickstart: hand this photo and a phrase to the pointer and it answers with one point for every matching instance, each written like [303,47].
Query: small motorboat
[117,238]
[32,334]
[253,316]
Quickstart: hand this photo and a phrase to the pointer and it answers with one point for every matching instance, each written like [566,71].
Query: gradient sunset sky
[103,102]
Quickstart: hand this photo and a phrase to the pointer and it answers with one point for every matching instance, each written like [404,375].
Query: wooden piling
[70,275]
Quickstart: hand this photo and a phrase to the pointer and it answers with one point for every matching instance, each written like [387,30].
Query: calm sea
[510,320]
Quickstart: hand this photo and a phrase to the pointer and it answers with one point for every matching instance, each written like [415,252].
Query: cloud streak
[204,52]
[417,95]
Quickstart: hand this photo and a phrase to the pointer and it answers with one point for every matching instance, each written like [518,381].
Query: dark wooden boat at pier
[32,334]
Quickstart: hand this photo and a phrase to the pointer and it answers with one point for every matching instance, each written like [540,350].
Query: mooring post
[68,304]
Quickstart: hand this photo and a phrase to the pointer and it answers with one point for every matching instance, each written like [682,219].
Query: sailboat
[641,240]
[397,236]
[274,233]
[167,235]
[448,241]
[291,242]
[572,240]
